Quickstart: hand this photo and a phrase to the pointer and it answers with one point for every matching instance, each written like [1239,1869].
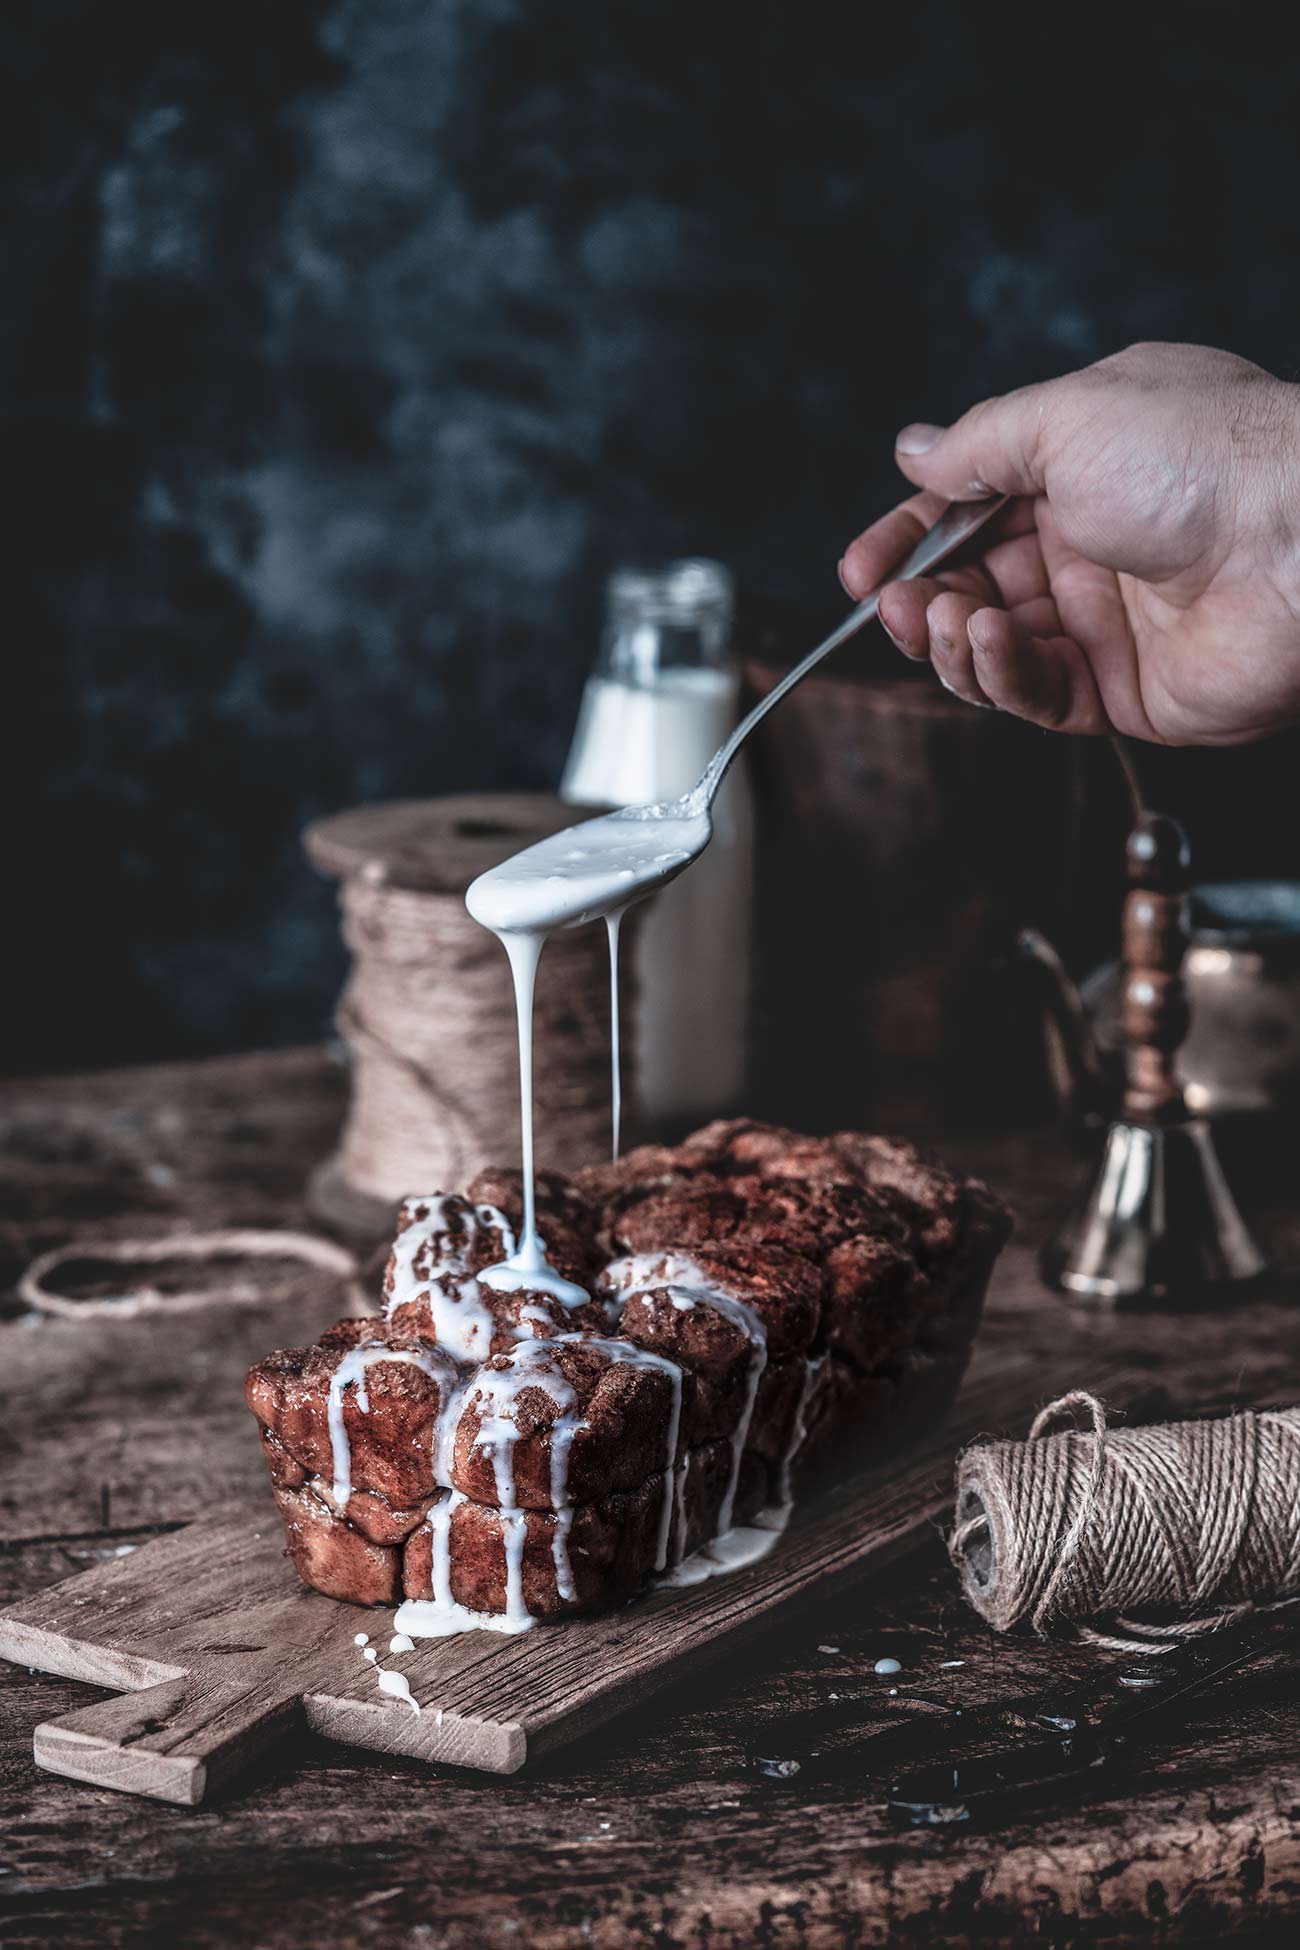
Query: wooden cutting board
[217,1652]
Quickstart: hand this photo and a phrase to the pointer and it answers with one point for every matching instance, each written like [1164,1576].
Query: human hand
[1146,579]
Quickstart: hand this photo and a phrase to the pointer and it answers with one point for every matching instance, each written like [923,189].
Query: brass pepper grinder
[1158,1224]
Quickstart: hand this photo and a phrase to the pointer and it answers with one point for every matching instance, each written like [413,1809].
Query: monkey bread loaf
[754,1306]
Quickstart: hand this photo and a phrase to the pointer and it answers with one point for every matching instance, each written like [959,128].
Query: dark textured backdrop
[346,345]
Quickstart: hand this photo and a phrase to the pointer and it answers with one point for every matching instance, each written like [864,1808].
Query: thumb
[998,447]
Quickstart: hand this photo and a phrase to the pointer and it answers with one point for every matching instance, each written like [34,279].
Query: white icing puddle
[734,1550]
[432,1618]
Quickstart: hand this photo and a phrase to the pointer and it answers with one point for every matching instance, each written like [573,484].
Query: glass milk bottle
[662,697]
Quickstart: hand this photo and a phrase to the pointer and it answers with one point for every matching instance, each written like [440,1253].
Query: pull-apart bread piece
[752,1304]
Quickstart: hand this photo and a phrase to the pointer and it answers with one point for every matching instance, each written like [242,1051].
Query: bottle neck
[663,621]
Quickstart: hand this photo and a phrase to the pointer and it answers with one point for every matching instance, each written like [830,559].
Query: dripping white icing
[679,1543]
[442,1617]
[439,1521]
[687,1283]
[351,1371]
[590,872]
[564,1585]
[743,1316]
[687,1287]
[495,1392]
[633,1356]
[799,1428]
[562,1434]
[528,1266]
[514,1535]
[461,1318]
[444,1435]
[613,922]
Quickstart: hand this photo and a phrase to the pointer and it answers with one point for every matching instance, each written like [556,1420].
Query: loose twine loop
[1137,1539]
[232,1243]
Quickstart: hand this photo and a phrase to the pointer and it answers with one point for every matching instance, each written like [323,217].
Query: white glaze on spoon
[592,870]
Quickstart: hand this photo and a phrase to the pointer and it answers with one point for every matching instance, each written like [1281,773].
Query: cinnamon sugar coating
[624,1414]
[391,1442]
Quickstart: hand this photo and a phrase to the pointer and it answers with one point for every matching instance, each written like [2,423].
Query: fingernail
[897,641]
[839,570]
[918,438]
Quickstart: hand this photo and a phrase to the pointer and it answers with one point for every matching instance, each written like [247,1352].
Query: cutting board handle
[181,1741]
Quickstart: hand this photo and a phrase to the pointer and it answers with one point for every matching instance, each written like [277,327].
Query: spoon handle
[958,522]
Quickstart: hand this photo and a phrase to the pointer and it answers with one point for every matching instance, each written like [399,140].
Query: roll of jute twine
[1134,1539]
[428,1011]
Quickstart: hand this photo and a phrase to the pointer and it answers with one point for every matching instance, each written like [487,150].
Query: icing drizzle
[425,1270]
[595,871]
[351,1372]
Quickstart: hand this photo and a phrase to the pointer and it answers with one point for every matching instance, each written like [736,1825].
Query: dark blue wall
[345,347]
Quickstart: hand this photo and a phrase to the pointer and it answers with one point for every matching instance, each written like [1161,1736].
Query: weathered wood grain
[660,1830]
[213,1624]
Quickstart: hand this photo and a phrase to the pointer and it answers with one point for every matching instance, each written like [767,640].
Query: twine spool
[1135,1539]
[428,1012]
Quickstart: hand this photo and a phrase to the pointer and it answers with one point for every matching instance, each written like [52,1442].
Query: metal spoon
[606,864]
[958,522]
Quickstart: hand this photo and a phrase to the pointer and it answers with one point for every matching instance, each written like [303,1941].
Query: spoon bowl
[591,870]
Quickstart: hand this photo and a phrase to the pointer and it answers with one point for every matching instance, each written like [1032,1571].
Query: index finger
[873,557]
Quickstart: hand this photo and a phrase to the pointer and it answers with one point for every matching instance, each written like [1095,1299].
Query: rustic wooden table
[662,1830]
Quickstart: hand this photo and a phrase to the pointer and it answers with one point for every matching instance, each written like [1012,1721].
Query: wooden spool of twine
[1135,1539]
[428,1011]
